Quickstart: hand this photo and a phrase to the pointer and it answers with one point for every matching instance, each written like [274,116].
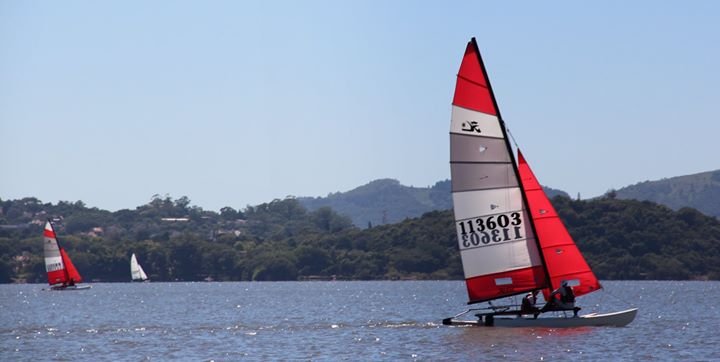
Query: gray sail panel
[477,149]
[468,176]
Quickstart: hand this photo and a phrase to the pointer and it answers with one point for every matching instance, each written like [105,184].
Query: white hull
[72,287]
[616,319]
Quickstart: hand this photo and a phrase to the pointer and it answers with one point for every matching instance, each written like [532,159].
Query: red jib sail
[497,245]
[563,260]
[72,272]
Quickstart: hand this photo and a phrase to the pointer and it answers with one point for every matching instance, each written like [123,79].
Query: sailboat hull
[615,319]
[71,287]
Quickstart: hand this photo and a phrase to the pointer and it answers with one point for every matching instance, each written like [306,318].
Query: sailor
[567,297]
[566,301]
[528,304]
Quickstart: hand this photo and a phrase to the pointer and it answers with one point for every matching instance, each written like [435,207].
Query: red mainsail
[56,277]
[497,245]
[563,259]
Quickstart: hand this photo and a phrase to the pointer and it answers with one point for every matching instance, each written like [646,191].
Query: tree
[311,260]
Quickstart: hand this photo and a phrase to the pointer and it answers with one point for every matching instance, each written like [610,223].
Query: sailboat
[510,238]
[61,273]
[136,271]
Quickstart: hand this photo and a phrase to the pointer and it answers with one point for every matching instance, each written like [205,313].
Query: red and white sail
[562,257]
[497,245]
[60,270]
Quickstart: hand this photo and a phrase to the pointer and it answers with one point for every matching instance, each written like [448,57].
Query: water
[338,321]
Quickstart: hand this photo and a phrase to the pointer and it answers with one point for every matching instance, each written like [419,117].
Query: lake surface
[382,320]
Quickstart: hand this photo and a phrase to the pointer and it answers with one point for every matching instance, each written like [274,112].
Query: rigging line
[512,138]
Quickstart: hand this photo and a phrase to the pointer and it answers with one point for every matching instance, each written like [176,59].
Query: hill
[700,191]
[386,201]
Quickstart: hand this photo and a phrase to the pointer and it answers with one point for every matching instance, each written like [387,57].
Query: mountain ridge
[700,191]
[387,201]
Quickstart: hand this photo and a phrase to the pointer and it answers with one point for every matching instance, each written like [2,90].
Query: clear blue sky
[235,103]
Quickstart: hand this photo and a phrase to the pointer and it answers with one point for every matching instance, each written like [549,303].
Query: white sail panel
[472,204]
[500,258]
[143,276]
[469,122]
[54,263]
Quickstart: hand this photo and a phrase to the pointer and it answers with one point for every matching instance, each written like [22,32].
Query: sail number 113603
[491,229]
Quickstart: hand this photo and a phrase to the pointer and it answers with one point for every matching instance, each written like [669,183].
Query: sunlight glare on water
[379,320]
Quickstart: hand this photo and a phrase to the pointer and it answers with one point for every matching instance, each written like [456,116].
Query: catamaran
[136,271]
[510,237]
[61,273]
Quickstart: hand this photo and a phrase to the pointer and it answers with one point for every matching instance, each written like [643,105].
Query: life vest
[567,295]
[528,303]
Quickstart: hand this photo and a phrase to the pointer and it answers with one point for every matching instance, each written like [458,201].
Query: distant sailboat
[61,273]
[136,271]
[511,240]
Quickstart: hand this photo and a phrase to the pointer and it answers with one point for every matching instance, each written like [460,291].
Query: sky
[237,103]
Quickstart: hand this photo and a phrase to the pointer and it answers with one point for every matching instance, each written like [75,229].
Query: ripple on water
[333,321]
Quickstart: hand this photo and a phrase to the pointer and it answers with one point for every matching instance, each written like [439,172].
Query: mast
[512,158]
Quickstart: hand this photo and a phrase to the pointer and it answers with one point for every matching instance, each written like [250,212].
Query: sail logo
[471,126]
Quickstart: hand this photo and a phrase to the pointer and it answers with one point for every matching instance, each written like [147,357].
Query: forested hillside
[384,201]
[700,191]
[281,240]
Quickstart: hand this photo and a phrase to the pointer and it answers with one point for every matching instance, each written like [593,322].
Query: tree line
[281,240]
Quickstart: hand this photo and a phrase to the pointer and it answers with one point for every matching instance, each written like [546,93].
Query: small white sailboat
[61,273]
[136,271]
[511,240]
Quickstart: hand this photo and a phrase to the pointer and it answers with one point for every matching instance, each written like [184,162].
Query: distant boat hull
[70,287]
[615,319]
